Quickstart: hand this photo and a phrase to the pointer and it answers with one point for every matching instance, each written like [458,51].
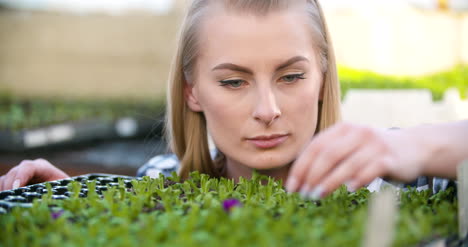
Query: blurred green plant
[436,83]
[171,212]
[19,113]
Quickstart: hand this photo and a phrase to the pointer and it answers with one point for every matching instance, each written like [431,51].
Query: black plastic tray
[78,132]
[24,196]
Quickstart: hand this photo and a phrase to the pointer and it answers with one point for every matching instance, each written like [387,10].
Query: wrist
[434,149]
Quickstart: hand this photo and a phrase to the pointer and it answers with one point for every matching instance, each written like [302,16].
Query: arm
[355,155]
[446,146]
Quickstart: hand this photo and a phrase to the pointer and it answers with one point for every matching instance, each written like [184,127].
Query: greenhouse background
[71,69]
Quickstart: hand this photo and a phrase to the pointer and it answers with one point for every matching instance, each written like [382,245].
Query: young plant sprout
[160,211]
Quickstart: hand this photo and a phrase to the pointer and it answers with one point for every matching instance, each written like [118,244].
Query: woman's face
[257,81]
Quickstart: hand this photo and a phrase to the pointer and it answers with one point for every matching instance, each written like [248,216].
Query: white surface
[402,108]
[126,127]
[53,134]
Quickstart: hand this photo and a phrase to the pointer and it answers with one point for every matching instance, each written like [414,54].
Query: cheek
[307,108]
[302,115]
[224,113]
[302,108]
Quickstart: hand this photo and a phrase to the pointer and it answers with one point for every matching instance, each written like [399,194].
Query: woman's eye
[292,77]
[232,83]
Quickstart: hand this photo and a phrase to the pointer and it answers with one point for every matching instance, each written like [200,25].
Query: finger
[25,174]
[3,182]
[48,172]
[371,172]
[20,175]
[298,170]
[346,172]
[327,162]
[2,179]
[10,178]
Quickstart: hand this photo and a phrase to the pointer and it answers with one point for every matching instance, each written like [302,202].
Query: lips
[269,141]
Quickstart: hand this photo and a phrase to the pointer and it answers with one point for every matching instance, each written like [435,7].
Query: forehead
[279,35]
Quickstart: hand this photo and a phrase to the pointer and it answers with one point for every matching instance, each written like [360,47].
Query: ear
[191,97]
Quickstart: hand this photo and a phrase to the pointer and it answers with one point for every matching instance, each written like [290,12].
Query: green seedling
[204,211]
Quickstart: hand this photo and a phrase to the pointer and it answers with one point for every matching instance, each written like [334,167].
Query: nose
[266,109]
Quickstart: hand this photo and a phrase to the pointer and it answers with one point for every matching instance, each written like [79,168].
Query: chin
[270,161]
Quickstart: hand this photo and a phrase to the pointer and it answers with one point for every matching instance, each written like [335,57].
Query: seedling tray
[23,197]
[105,209]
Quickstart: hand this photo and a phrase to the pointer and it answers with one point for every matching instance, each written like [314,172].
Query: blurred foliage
[19,113]
[436,83]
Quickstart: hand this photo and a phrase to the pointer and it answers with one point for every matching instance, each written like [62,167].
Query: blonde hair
[186,130]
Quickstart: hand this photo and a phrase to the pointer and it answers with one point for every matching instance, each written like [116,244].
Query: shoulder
[162,164]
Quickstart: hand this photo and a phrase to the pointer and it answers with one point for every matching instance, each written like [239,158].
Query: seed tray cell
[24,196]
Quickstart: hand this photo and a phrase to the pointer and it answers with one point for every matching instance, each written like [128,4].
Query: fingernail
[291,184]
[351,186]
[16,184]
[316,193]
[304,190]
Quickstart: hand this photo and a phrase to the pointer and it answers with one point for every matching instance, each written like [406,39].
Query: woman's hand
[29,172]
[355,155]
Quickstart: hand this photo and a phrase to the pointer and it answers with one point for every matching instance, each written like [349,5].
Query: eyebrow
[234,67]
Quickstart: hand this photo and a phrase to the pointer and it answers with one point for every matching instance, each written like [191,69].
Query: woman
[259,76]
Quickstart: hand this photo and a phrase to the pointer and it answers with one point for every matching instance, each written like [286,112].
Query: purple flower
[56,215]
[228,204]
